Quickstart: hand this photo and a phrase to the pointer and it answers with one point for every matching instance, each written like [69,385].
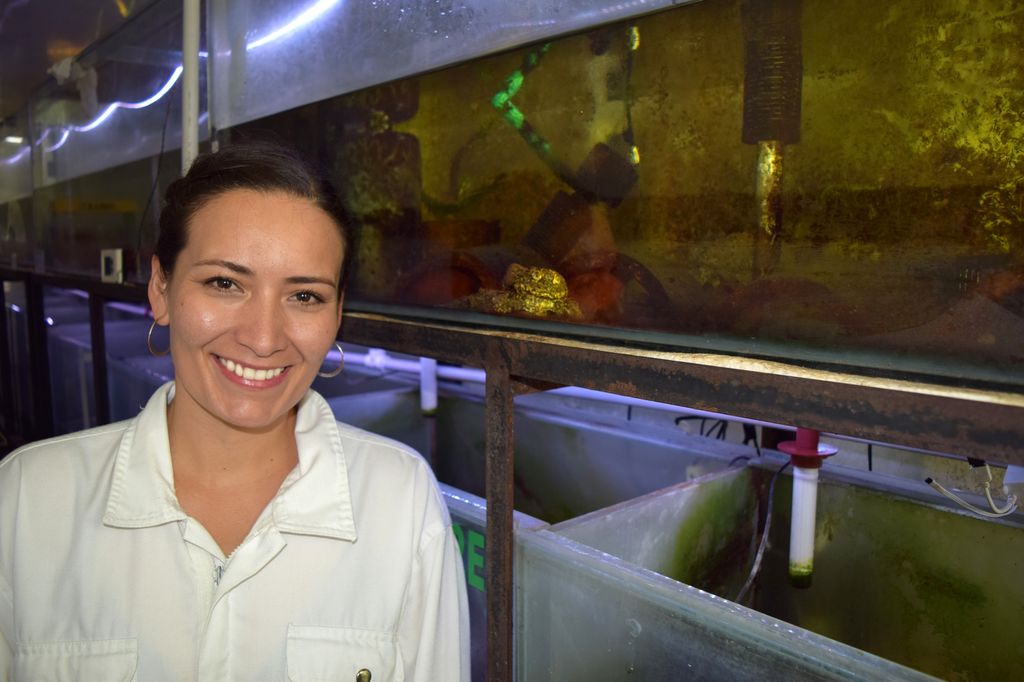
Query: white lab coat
[352,565]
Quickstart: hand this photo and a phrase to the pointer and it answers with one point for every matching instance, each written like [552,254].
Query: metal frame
[6,370]
[968,422]
[917,415]
[100,293]
[985,424]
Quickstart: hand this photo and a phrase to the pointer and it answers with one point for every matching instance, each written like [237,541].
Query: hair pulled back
[259,166]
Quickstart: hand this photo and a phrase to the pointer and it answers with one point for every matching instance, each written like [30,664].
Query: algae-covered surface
[696,532]
[928,588]
[935,590]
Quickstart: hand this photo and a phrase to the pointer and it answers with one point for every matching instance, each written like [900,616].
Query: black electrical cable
[750,435]
[756,567]
[737,459]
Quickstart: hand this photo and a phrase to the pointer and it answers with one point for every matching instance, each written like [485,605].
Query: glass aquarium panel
[69,350]
[117,208]
[15,190]
[582,614]
[271,55]
[15,163]
[16,232]
[835,182]
[916,583]
[118,102]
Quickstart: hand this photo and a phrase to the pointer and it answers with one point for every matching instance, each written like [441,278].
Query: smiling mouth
[249,372]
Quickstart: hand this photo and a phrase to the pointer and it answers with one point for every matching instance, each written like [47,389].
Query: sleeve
[8,510]
[434,631]
[6,629]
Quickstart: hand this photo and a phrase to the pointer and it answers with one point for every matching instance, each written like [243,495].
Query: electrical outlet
[112,265]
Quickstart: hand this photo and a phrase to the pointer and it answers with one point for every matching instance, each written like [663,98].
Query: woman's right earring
[149,343]
[341,365]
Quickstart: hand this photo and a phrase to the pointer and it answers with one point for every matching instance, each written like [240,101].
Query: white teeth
[249,372]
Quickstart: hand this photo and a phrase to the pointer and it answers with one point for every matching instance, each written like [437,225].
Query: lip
[250,383]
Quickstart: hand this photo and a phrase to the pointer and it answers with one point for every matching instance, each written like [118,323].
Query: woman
[233,530]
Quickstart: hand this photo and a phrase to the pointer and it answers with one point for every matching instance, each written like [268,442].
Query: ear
[157,291]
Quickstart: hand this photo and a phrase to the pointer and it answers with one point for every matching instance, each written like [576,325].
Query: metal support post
[189,84]
[499,493]
[101,393]
[9,416]
[39,361]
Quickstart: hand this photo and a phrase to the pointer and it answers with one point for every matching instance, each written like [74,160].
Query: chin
[253,415]
[254,422]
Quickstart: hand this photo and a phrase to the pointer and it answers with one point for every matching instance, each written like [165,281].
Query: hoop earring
[149,343]
[336,372]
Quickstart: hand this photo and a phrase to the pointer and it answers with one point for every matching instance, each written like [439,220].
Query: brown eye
[308,297]
[221,283]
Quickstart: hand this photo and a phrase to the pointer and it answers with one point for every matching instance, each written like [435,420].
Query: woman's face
[253,306]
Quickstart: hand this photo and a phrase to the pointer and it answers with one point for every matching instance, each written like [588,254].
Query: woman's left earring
[341,365]
[149,342]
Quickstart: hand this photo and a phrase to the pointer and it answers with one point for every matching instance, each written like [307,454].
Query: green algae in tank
[935,590]
[931,589]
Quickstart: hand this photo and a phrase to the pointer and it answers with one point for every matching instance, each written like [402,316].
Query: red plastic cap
[807,452]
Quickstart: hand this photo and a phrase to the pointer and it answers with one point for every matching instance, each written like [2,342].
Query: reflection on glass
[116,208]
[118,102]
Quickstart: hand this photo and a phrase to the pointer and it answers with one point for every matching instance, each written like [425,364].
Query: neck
[206,449]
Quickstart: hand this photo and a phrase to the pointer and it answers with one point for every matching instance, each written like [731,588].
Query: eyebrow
[243,270]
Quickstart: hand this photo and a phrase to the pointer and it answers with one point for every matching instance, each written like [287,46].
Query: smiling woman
[233,530]
[253,305]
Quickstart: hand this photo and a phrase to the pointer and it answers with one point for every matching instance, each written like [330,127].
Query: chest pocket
[108,660]
[319,654]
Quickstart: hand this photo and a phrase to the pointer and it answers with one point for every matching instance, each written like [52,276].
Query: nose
[261,326]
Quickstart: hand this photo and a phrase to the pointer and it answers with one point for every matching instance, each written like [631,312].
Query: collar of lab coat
[313,500]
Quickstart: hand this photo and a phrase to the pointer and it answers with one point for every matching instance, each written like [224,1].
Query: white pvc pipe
[189,84]
[428,385]
[802,525]
[379,359]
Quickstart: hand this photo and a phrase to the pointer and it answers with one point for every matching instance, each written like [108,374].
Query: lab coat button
[363,675]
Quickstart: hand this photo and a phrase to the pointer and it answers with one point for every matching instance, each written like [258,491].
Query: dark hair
[260,166]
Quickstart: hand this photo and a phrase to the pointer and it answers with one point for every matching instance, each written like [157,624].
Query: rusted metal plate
[966,422]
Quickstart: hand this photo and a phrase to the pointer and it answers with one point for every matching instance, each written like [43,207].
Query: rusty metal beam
[969,422]
[499,491]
